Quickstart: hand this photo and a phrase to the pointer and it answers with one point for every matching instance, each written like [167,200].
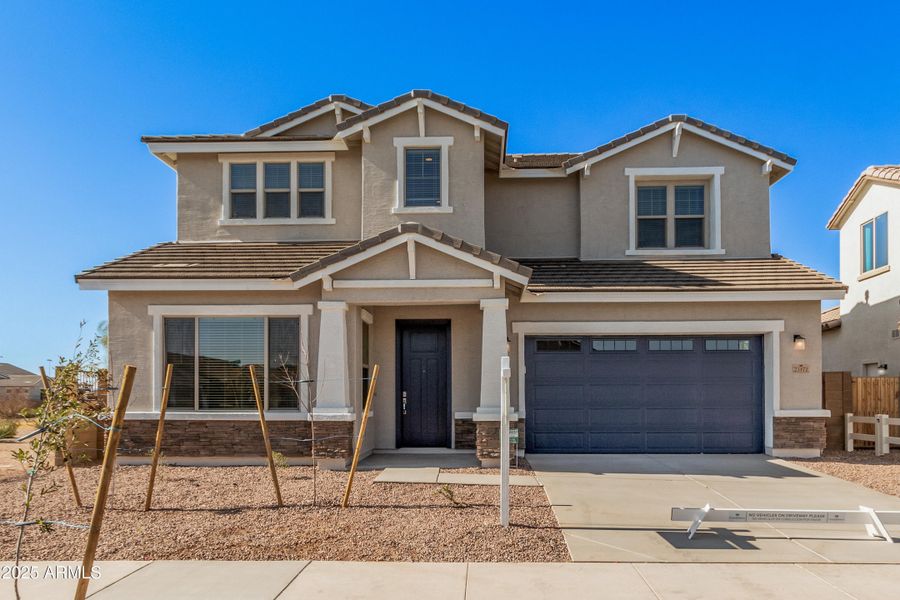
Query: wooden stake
[159,435]
[362,433]
[106,473]
[71,472]
[265,432]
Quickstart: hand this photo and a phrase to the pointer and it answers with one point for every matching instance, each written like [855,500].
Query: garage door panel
[642,400]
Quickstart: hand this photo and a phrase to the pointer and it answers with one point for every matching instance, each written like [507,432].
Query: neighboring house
[861,335]
[18,389]
[632,285]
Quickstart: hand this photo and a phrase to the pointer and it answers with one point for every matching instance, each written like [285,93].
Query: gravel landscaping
[881,473]
[229,513]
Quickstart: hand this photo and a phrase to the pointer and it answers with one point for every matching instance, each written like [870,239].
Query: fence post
[881,434]
[848,432]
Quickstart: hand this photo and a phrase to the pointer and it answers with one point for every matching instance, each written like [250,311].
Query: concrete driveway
[617,508]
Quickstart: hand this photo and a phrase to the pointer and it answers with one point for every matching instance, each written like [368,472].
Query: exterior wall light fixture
[799,342]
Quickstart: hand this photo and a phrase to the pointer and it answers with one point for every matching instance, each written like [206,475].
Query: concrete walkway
[617,508]
[436,475]
[303,580]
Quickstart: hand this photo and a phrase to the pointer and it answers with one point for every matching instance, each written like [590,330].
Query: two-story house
[861,334]
[632,285]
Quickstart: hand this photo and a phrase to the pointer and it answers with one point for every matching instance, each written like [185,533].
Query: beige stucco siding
[798,390]
[745,196]
[465,361]
[531,218]
[322,125]
[200,204]
[466,181]
[131,329]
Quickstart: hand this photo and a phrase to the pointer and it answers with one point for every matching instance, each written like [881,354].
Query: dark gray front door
[644,394]
[423,380]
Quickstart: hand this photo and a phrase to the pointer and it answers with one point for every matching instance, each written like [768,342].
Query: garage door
[644,394]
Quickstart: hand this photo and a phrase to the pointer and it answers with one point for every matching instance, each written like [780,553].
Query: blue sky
[83,81]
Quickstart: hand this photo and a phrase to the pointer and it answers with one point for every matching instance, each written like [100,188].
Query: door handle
[403,399]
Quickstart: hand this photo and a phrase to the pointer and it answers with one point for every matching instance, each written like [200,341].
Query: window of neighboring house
[243,190]
[211,356]
[277,190]
[875,243]
[311,190]
[671,216]
[423,177]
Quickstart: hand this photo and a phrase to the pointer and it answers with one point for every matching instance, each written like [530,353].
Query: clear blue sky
[81,82]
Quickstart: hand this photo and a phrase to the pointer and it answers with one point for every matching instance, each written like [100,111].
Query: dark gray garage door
[644,394]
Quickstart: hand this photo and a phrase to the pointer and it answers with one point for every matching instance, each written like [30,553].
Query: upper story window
[875,243]
[277,189]
[671,216]
[674,210]
[422,175]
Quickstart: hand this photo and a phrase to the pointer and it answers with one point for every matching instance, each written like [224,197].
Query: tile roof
[684,119]
[215,260]
[306,110]
[229,137]
[889,173]
[20,381]
[434,234]
[667,275]
[424,94]
[831,318]
[538,161]
[8,369]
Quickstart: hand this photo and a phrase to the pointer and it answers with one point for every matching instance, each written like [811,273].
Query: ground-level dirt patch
[229,513]
[881,473]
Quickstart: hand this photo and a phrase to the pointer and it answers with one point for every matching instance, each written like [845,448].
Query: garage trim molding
[770,330]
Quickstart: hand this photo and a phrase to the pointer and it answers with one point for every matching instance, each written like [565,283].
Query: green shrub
[7,429]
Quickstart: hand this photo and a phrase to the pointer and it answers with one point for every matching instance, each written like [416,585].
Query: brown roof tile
[306,110]
[424,94]
[228,137]
[831,318]
[538,161]
[684,119]
[667,275]
[889,173]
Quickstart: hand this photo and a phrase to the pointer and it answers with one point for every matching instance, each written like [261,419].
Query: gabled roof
[298,114]
[882,173]
[693,125]
[538,161]
[831,318]
[7,369]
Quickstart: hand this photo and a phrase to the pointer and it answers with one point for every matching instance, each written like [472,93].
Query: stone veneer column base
[464,434]
[218,441]
[487,441]
[802,437]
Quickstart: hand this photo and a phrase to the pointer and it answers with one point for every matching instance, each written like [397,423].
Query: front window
[423,177]
[211,358]
[671,216]
[243,191]
[875,243]
[311,191]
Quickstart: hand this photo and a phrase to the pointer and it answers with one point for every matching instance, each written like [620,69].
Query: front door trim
[400,324]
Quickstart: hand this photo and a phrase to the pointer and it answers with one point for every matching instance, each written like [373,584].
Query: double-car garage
[635,394]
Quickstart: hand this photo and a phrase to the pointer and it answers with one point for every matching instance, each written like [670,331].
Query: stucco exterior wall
[465,361]
[322,125]
[466,180]
[871,308]
[745,196]
[798,390]
[200,204]
[532,218]
[131,330]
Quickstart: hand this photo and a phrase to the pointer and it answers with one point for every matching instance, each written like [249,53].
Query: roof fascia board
[183,285]
[428,103]
[853,197]
[188,147]
[685,127]
[508,173]
[323,110]
[606,297]
[645,327]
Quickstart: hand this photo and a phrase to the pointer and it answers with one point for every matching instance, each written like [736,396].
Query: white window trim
[160,311]
[714,243]
[259,160]
[402,143]
[771,331]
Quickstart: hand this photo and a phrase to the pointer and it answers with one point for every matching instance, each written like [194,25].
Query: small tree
[290,379]
[65,401]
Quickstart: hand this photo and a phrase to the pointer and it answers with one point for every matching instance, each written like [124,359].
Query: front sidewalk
[295,580]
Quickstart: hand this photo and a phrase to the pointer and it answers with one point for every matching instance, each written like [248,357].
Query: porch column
[333,373]
[493,346]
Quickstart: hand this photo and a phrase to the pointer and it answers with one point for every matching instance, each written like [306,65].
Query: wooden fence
[863,397]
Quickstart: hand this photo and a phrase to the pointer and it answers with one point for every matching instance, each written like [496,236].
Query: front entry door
[423,380]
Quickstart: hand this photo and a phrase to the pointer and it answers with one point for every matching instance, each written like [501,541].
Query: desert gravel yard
[880,473]
[229,513]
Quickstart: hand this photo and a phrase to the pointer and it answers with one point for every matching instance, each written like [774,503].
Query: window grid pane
[243,177]
[423,177]
[733,345]
[868,246]
[179,342]
[243,205]
[689,200]
[312,204]
[613,345]
[227,347]
[688,232]
[278,176]
[651,233]
[284,363]
[311,176]
[881,241]
[278,205]
[671,345]
[651,201]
